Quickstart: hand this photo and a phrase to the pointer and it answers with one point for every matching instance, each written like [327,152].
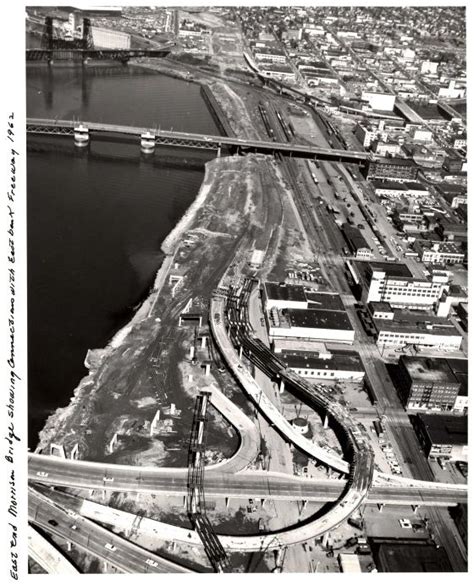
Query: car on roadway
[52,522]
[106,478]
[42,474]
[151,562]
[74,527]
[110,546]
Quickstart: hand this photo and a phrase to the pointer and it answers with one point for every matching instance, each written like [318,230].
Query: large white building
[394,283]
[419,329]
[105,38]
[314,324]
[340,365]
[379,101]
[294,312]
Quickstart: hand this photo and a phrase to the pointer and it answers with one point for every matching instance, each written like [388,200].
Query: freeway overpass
[201,141]
[51,470]
[93,539]
[48,556]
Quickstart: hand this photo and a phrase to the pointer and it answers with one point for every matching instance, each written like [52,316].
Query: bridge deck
[42,126]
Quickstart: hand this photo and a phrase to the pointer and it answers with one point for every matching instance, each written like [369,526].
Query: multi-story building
[431,383]
[393,282]
[340,365]
[356,241]
[414,328]
[294,312]
[395,169]
[409,189]
[367,134]
[379,101]
[439,252]
[316,324]
[443,436]
[267,52]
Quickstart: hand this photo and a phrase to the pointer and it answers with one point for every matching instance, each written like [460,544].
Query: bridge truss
[196,505]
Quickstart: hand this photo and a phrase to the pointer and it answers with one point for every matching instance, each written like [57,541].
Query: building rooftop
[413,322]
[344,361]
[381,306]
[445,429]
[318,319]
[284,292]
[392,185]
[428,369]
[354,237]
[391,269]
[324,300]
[395,556]
[395,161]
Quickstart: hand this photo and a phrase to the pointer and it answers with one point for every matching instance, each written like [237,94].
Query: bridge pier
[240,352]
[74,452]
[415,507]
[207,369]
[113,443]
[191,352]
[59,448]
[81,136]
[227,502]
[381,507]
[326,421]
[185,501]
[147,143]
[281,387]
[203,341]
[325,540]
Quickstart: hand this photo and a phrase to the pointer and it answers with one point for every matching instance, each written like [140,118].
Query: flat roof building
[396,169]
[431,383]
[418,329]
[340,365]
[443,436]
[394,283]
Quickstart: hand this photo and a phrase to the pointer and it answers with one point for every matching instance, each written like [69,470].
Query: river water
[96,219]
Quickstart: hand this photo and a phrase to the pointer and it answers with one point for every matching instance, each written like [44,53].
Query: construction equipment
[196,505]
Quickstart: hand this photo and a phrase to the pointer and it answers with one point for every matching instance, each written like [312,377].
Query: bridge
[54,48]
[72,54]
[201,141]
[86,475]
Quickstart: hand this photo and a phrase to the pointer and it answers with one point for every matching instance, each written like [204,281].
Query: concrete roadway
[87,535]
[139,525]
[48,556]
[260,484]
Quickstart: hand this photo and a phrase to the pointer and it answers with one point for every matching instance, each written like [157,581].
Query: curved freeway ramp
[95,540]
[259,397]
[48,556]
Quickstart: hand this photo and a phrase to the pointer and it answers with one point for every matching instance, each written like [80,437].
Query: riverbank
[95,359]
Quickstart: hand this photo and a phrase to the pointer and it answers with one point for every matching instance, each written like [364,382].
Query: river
[96,219]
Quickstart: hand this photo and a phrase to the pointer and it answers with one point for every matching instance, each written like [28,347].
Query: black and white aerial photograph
[246,268]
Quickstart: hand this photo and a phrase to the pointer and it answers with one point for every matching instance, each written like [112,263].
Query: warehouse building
[340,365]
[395,169]
[105,38]
[408,328]
[393,282]
[439,252]
[281,295]
[356,241]
[319,324]
[442,436]
[431,383]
